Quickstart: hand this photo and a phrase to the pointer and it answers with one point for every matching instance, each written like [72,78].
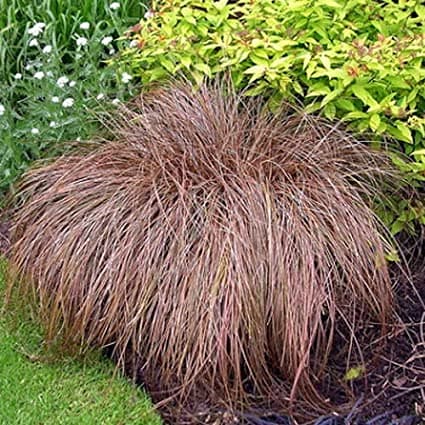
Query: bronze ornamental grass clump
[225,251]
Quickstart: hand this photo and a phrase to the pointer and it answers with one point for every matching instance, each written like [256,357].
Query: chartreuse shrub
[361,61]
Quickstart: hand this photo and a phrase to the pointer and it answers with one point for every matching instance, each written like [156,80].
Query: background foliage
[359,60]
[53,79]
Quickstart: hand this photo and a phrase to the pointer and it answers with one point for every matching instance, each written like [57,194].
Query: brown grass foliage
[225,251]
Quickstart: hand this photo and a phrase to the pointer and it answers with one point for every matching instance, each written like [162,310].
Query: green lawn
[35,391]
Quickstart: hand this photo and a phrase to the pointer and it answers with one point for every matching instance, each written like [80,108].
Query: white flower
[47,49]
[81,41]
[115,5]
[106,40]
[100,96]
[2,109]
[84,25]
[37,29]
[62,81]
[72,83]
[78,139]
[52,124]
[125,77]
[55,99]
[35,131]
[17,76]
[133,43]
[28,67]
[111,51]
[116,101]
[39,75]
[33,42]
[49,73]
[149,14]
[68,102]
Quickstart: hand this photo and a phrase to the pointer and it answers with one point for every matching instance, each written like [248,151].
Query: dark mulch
[398,382]
[395,392]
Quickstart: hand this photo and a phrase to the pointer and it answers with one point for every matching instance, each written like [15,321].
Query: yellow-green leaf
[402,132]
[255,69]
[374,122]
[297,88]
[312,107]
[306,60]
[220,5]
[330,3]
[186,61]
[345,104]
[392,256]
[282,62]
[397,227]
[361,93]
[203,67]
[355,115]
[331,96]
[329,111]
[418,152]
[318,91]
[326,62]
[167,64]
[259,59]
[354,373]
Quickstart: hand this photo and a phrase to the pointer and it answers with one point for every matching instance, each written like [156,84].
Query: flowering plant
[54,78]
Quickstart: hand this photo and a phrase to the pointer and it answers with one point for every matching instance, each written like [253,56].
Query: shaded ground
[398,382]
[396,387]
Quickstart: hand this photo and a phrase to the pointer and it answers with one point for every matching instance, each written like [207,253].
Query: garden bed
[395,388]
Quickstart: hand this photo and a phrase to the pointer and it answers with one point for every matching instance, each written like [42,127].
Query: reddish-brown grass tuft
[220,248]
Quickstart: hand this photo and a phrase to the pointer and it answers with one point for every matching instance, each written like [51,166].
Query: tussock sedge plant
[223,251]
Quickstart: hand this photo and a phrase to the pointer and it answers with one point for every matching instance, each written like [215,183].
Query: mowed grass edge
[35,391]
